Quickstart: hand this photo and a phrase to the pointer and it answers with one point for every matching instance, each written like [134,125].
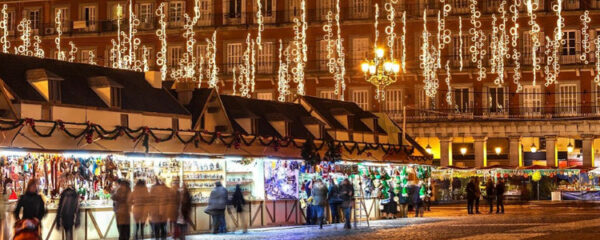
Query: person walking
[333,196]
[33,211]
[417,201]
[239,202]
[347,196]
[403,200]
[217,202]
[500,196]
[319,195]
[477,194]
[470,195]
[184,208]
[428,198]
[489,194]
[121,207]
[139,200]
[67,214]
[159,197]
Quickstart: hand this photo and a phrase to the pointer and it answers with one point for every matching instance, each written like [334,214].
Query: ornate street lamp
[380,72]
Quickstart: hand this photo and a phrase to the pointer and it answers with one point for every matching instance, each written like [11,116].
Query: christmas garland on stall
[145,134]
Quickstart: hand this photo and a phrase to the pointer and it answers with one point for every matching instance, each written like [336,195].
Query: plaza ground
[536,220]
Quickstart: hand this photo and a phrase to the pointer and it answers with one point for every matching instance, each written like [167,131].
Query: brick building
[484,125]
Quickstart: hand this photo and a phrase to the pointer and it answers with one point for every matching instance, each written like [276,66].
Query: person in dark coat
[122,209]
[477,194]
[239,202]
[67,214]
[403,201]
[347,196]
[416,199]
[217,202]
[31,203]
[489,194]
[391,207]
[470,195]
[500,196]
[333,196]
[183,211]
[319,195]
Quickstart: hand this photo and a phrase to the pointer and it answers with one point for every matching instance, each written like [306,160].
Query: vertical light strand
[283,85]
[597,60]
[585,40]
[260,22]
[300,49]
[460,44]
[145,56]
[72,52]
[92,58]
[213,70]
[403,39]
[516,55]
[448,78]
[186,70]
[37,50]
[376,26]
[4,26]
[24,28]
[389,30]
[234,84]
[161,56]
[340,75]
[534,35]
[58,23]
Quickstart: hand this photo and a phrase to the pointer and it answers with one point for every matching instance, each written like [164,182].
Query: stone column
[514,151]
[445,151]
[588,150]
[480,148]
[551,153]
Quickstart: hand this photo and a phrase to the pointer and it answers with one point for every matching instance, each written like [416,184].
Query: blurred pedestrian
[121,207]
[428,198]
[239,202]
[158,218]
[333,196]
[390,208]
[319,195]
[477,194]
[417,201]
[3,199]
[33,211]
[139,199]
[347,195]
[217,202]
[172,204]
[67,214]
[403,200]
[489,193]
[184,208]
[470,195]
[500,196]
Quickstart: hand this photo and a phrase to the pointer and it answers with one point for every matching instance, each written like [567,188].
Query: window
[64,17]
[88,14]
[361,98]
[234,10]
[323,7]
[124,120]
[265,58]
[264,96]
[532,100]
[360,9]
[327,94]
[174,55]
[571,46]
[115,97]
[206,13]
[528,45]
[456,50]
[460,6]
[595,3]
[33,15]
[85,55]
[497,100]
[54,91]
[360,50]
[323,60]
[571,4]
[234,56]
[201,54]
[393,103]
[11,21]
[293,9]
[567,99]
[462,100]
[268,10]
[146,15]
[176,10]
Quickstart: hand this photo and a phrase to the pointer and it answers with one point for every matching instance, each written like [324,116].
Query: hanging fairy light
[478,38]
[186,70]
[585,41]
[92,58]
[24,28]
[58,23]
[499,45]
[246,80]
[4,27]
[234,85]
[376,26]
[134,42]
[260,22]
[534,35]
[403,40]
[448,78]
[389,30]
[300,48]
[460,43]
[597,63]
[283,85]
[428,61]
[72,52]
[161,56]
[340,74]
[554,47]
[145,57]
[37,50]
[516,55]
[211,55]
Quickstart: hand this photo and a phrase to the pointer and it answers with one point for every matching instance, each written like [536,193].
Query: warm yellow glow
[379,52]
[372,69]
[570,148]
[498,150]
[533,148]
[463,150]
[428,149]
[395,67]
[119,11]
[364,67]
[387,66]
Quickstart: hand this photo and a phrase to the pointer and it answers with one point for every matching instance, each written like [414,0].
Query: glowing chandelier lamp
[380,72]
[570,147]
[533,148]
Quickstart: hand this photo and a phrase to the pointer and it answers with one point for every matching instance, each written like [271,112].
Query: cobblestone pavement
[541,220]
